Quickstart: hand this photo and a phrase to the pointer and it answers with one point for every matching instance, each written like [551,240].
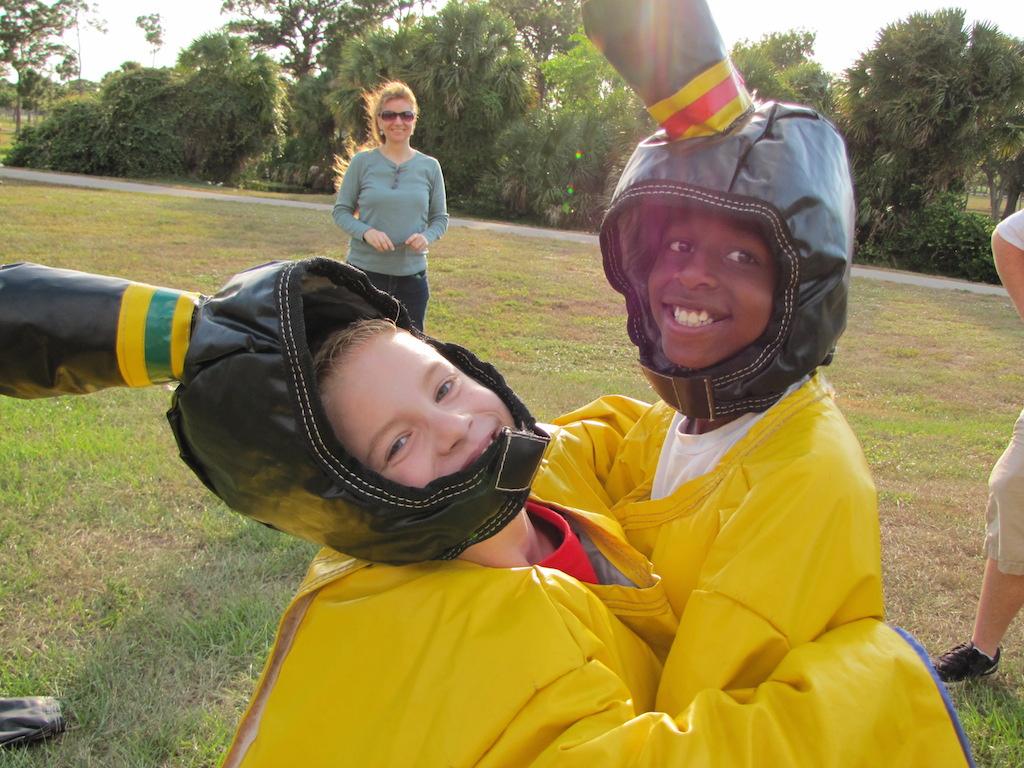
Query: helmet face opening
[641,231]
[249,421]
[782,169]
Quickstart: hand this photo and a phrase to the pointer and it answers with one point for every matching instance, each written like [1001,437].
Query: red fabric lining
[569,556]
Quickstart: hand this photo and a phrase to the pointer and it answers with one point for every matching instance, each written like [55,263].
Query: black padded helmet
[250,423]
[782,167]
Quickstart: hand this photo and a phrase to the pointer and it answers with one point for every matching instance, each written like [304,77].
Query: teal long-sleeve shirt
[399,200]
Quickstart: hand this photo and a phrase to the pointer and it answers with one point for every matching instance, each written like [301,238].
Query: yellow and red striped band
[706,105]
[153,332]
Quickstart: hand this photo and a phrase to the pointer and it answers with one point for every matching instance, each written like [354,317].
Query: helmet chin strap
[694,398]
[520,459]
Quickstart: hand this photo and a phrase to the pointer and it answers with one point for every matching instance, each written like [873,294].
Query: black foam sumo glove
[29,719]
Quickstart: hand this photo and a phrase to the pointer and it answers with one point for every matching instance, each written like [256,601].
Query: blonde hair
[341,344]
[329,360]
[376,100]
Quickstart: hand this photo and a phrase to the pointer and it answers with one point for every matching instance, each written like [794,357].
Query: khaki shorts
[1004,517]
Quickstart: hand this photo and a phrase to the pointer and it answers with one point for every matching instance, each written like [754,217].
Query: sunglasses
[389,116]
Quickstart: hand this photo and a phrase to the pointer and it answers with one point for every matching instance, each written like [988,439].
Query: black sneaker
[965,662]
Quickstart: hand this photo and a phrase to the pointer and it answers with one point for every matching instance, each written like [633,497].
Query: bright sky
[844,31]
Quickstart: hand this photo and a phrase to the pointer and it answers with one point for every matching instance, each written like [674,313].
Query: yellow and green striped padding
[153,331]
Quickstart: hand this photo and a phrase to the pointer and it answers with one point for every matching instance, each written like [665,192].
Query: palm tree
[473,79]
[779,67]
[545,29]
[1003,166]
[560,162]
[470,76]
[555,166]
[364,63]
[918,109]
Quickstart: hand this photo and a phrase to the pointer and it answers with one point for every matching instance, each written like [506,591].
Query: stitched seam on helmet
[771,215]
[746,404]
[313,434]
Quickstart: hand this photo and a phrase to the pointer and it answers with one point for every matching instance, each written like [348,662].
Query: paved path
[96,182]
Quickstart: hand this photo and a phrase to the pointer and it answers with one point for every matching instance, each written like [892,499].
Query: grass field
[127,590]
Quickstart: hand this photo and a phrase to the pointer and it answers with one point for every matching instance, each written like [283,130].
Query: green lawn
[129,591]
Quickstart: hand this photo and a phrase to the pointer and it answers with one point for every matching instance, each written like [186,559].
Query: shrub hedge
[940,239]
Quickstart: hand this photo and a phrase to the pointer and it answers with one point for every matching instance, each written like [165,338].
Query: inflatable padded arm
[67,332]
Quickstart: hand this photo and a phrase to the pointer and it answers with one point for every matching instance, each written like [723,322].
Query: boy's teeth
[691,317]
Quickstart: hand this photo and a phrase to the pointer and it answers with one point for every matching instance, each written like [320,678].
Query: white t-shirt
[1011,229]
[684,457]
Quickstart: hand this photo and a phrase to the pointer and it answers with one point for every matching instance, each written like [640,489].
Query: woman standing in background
[392,202]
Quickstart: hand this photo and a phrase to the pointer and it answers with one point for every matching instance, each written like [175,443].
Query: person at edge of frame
[1002,588]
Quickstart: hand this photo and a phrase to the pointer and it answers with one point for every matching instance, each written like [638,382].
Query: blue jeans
[412,290]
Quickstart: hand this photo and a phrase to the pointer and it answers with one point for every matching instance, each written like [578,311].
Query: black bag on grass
[29,719]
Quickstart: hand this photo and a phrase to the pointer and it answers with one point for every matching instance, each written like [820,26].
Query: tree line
[528,121]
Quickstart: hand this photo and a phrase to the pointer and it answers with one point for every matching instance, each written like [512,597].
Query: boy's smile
[403,410]
[711,287]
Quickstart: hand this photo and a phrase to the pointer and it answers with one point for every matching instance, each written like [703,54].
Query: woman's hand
[417,242]
[379,240]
